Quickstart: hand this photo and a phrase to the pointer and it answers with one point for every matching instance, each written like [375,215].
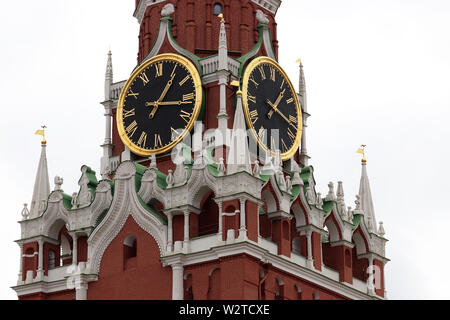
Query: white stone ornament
[58,183]
[330,196]
[74,201]
[310,197]
[221,167]
[170,179]
[25,211]
[288,184]
[297,180]
[262,17]
[350,214]
[167,10]
[281,181]
[319,203]
[256,169]
[381,231]
[106,173]
[153,163]
[84,195]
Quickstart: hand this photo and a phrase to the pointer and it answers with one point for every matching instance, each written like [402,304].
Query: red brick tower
[208,219]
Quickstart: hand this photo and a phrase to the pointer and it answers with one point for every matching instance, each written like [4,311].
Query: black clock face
[159,105]
[272,108]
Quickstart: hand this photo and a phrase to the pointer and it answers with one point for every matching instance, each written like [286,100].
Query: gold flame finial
[299,61]
[220,16]
[41,132]
[362,151]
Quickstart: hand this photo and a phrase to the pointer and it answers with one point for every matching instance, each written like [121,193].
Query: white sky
[377,74]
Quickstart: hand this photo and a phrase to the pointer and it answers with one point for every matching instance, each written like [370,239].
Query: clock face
[159,104]
[271,106]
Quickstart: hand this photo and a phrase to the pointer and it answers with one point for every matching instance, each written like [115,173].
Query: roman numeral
[285,148]
[185,115]
[131,129]
[254,116]
[292,119]
[175,133]
[187,97]
[184,80]
[129,113]
[252,98]
[158,142]
[272,74]
[290,134]
[159,69]
[254,82]
[135,95]
[142,140]
[263,74]
[144,78]
[288,101]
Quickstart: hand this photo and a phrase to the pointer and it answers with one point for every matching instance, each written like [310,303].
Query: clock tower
[205,188]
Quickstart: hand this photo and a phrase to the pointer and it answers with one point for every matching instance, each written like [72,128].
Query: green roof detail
[152,211]
[327,206]
[356,220]
[253,51]
[67,201]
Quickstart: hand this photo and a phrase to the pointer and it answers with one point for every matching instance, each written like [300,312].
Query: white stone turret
[366,199]
[239,155]
[304,157]
[223,75]
[41,186]
[108,104]
[108,77]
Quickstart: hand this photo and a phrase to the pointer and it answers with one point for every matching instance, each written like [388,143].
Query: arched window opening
[279,289]
[316,296]
[130,252]
[51,260]
[326,236]
[217,9]
[297,245]
[299,292]
[209,217]
[65,250]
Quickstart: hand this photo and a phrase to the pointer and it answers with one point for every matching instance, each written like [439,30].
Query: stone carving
[25,211]
[288,184]
[167,10]
[221,168]
[330,196]
[256,169]
[297,180]
[85,194]
[58,183]
[350,214]
[262,17]
[105,174]
[181,173]
[319,203]
[340,200]
[153,163]
[310,196]
[280,180]
[170,179]
[381,231]
[74,201]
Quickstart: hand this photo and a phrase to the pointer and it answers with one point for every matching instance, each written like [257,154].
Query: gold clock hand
[167,103]
[168,85]
[281,114]
[277,102]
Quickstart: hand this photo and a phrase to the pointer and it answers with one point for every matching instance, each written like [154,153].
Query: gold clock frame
[197,107]
[248,71]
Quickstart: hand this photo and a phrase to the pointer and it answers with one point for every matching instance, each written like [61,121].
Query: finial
[41,132]
[363,152]
[299,61]
[220,16]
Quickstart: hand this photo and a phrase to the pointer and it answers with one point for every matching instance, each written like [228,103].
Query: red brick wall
[149,280]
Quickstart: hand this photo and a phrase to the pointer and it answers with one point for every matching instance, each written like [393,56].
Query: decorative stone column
[370,280]
[310,260]
[242,229]
[169,232]
[81,287]
[74,249]
[20,276]
[186,232]
[177,282]
[40,272]
[220,231]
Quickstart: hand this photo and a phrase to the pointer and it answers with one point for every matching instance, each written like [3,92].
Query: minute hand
[277,102]
[167,103]
[280,113]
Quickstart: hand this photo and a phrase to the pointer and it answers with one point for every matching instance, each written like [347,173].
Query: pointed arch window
[51,260]
[130,252]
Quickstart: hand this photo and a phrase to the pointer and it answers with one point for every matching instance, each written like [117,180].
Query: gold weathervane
[362,151]
[41,132]
[299,61]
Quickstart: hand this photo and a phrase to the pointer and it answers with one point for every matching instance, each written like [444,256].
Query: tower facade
[222,208]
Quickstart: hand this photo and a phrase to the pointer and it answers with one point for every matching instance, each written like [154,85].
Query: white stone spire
[304,157]
[223,75]
[239,154]
[41,186]
[366,199]
[108,77]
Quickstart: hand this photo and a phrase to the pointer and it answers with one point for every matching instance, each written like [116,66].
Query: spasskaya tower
[205,188]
